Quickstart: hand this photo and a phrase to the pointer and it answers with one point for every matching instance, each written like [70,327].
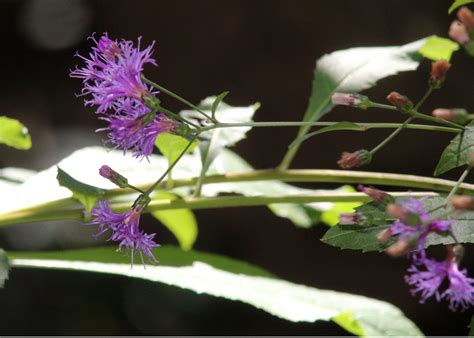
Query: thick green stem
[27,216]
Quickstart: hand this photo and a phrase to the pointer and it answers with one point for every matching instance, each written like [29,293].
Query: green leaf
[457,152]
[171,146]
[84,193]
[331,216]
[14,134]
[471,325]
[347,321]
[4,267]
[458,3]
[355,69]
[436,48]
[217,101]
[238,281]
[181,222]
[364,237]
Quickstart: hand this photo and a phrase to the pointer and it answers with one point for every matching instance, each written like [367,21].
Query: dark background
[260,51]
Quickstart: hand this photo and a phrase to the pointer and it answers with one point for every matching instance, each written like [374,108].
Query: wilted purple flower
[112,71]
[124,229]
[132,130]
[427,275]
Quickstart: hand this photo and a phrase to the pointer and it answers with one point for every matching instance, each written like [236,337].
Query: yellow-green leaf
[14,134]
[436,48]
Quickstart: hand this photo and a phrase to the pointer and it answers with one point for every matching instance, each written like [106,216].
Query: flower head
[458,32]
[400,101]
[355,159]
[439,69]
[426,277]
[349,218]
[112,71]
[124,228]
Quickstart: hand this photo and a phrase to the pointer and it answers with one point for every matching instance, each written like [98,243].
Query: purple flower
[124,229]
[112,71]
[132,131]
[427,275]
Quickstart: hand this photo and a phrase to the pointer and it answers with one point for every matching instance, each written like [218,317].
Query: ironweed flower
[349,218]
[439,69]
[355,159]
[427,275]
[112,71]
[458,32]
[133,132]
[124,228]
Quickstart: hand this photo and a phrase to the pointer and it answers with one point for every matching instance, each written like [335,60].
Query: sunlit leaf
[181,222]
[237,281]
[458,3]
[171,146]
[84,193]
[436,48]
[457,152]
[331,216]
[14,134]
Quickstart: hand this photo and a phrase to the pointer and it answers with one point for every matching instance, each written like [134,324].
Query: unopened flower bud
[396,211]
[355,159]
[377,195]
[458,32]
[466,16]
[353,100]
[400,101]
[113,176]
[384,235]
[462,202]
[439,69]
[400,248]
[454,115]
[349,218]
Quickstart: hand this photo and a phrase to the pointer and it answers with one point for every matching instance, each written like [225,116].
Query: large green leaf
[436,48]
[355,69]
[4,267]
[457,152]
[171,146]
[238,281]
[14,134]
[84,193]
[458,3]
[364,237]
[181,222]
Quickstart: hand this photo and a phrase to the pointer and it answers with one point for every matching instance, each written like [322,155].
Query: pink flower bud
[344,99]
[355,159]
[466,16]
[400,101]
[377,195]
[348,218]
[458,32]
[439,69]
[400,248]
[462,202]
[454,115]
[113,176]
[384,235]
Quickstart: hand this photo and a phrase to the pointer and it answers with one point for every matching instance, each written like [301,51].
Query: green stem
[26,216]
[366,126]
[302,175]
[177,97]
[458,183]
[424,98]
[391,136]
[178,117]
[170,167]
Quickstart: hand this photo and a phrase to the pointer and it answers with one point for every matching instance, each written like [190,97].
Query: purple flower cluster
[425,275]
[112,80]
[124,230]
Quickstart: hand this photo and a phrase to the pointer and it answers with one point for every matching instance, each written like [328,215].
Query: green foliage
[471,325]
[86,194]
[171,146]
[355,69]
[364,237]
[217,101]
[458,3]
[457,152]
[331,216]
[4,267]
[14,134]
[181,222]
[436,48]
[238,281]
